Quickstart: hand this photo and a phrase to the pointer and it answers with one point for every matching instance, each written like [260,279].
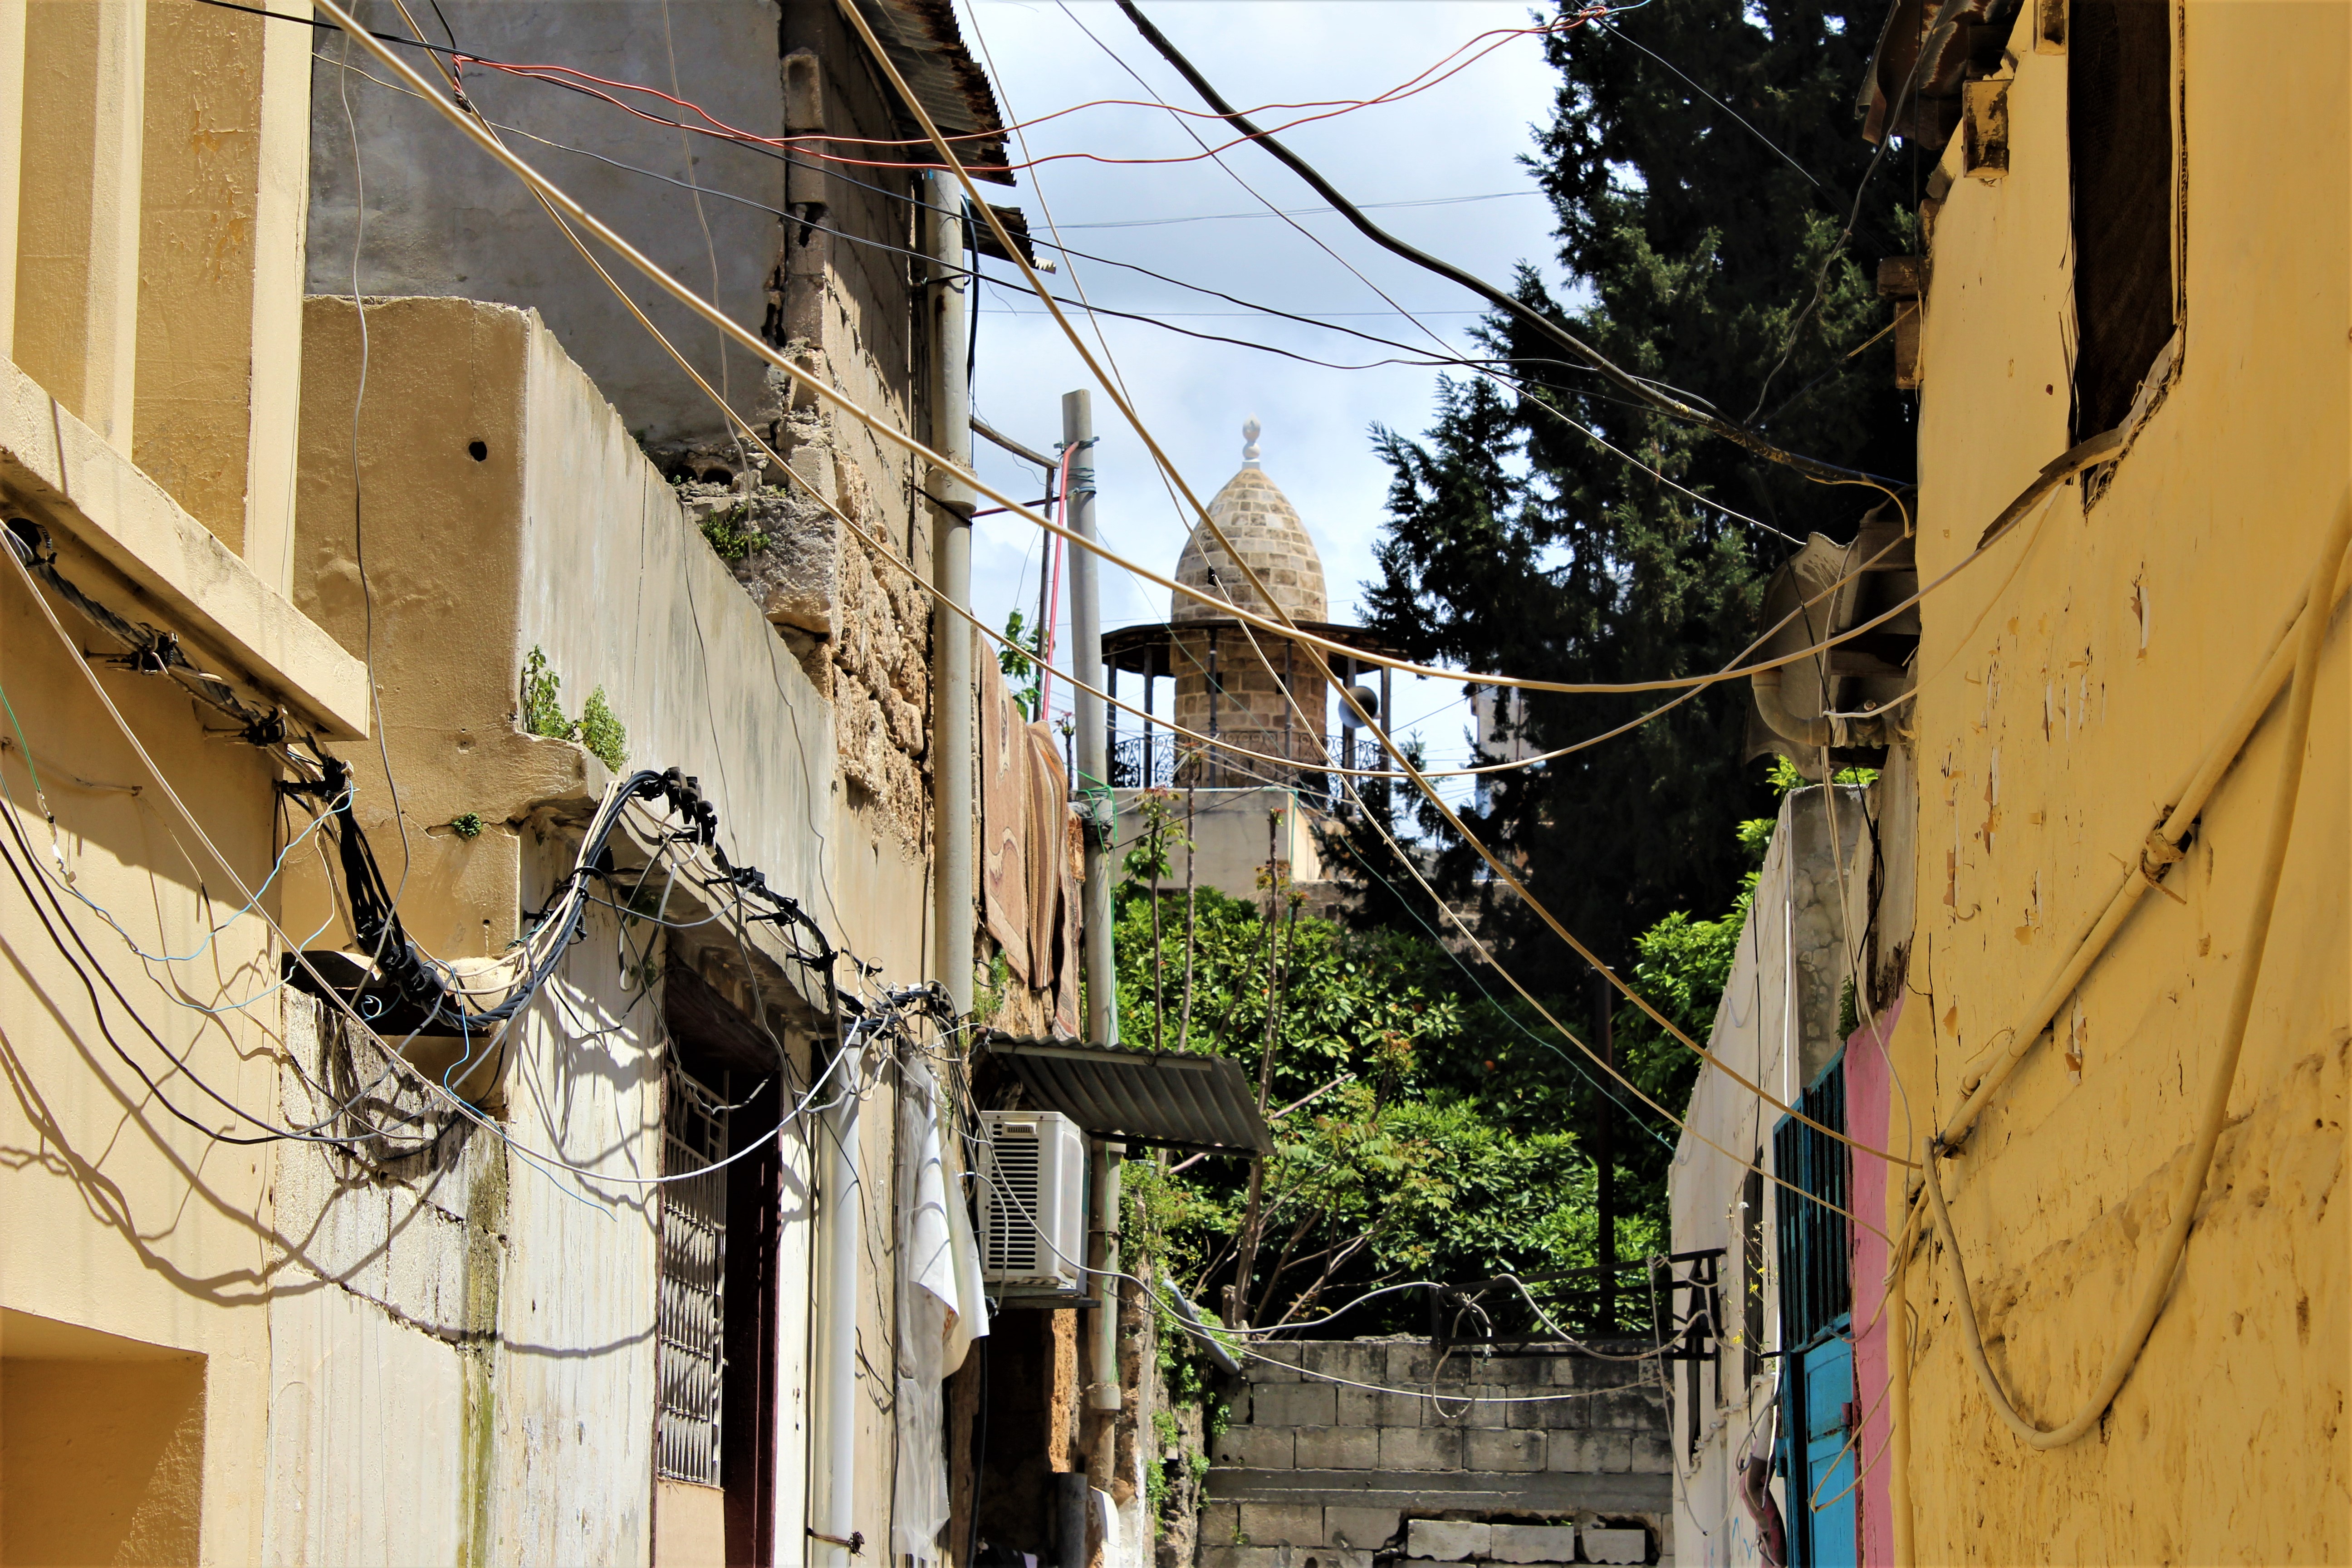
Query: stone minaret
[1248,706]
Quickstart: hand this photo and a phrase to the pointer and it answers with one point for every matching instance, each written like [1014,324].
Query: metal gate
[1819,1412]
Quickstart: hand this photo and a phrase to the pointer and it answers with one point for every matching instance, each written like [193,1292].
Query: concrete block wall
[1541,1456]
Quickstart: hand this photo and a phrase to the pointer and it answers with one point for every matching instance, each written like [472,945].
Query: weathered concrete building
[1771,1335]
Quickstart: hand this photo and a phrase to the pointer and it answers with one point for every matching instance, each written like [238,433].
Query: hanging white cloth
[941,1312]
[971,1320]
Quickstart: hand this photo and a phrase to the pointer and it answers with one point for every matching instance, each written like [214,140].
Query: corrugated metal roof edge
[951,84]
[1207,1095]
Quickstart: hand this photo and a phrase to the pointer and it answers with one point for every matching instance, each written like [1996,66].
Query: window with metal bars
[1816,1273]
[690,1359]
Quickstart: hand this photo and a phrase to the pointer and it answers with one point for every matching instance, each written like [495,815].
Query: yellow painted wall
[120,1217]
[2067,683]
[102,1461]
[200,153]
[139,1248]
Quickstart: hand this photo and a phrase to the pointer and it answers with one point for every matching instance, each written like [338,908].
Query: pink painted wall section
[1867,1096]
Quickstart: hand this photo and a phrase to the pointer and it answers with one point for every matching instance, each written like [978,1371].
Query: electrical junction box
[1033,1178]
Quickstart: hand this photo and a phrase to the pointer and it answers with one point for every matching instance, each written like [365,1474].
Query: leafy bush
[729,539]
[598,727]
[600,730]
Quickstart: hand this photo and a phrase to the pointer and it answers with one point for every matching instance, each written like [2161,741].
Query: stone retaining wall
[1544,1455]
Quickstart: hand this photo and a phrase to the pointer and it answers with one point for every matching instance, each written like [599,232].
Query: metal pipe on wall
[1094,763]
[952,749]
[833,1506]
[1102,1261]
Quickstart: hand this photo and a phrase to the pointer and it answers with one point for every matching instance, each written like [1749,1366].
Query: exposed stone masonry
[859,627]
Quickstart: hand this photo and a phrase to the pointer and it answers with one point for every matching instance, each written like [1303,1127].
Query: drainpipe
[1102,1259]
[1093,755]
[952,751]
[833,1508]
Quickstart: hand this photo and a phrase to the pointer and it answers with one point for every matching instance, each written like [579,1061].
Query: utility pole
[953,748]
[1093,782]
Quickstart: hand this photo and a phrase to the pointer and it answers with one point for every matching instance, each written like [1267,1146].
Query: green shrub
[542,713]
[728,537]
[601,730]
[598,727]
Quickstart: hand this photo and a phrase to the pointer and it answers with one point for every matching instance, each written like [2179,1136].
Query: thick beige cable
[1487,956]
[1483,952]
[636,258]
[1315,645]
[1980,1079]
[2215,1109]
[1985,1075]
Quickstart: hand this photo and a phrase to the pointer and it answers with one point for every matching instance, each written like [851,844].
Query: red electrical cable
[545,71]
[1449,66]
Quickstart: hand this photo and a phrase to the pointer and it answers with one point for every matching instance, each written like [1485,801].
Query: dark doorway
[721,1241]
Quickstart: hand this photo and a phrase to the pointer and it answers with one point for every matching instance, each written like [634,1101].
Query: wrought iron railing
[1162,760]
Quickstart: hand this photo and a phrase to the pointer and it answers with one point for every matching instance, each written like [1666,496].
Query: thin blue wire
[107,915]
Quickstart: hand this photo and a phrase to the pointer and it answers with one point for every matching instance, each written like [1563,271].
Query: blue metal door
[1829,1495]
[1816,1319]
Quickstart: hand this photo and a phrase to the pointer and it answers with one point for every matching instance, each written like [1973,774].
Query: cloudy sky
[1461,139]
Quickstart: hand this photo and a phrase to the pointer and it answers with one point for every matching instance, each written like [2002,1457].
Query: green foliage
[1408,1162]
[598,727]
[542,712]
[1691,248]
[1148,857]
[1021,660]
[601,730]
[989,983]
[730,537]
[466,824]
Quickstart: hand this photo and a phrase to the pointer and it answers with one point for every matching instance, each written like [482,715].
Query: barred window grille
[1816,1283]
[691,1353]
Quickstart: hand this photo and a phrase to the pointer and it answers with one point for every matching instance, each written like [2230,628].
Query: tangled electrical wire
[468,998]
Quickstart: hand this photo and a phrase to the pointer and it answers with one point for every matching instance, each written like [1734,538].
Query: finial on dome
[1250,431]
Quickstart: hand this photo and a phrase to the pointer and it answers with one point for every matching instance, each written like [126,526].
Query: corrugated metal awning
[1172,1099]
[925,44]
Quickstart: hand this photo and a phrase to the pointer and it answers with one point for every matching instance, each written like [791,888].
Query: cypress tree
[1702,159]
[1516,542]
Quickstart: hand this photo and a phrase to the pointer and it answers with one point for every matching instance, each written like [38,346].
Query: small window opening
[2119,126]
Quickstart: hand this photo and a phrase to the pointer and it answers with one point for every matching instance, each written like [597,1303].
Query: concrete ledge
[1533,1493]
[58,469]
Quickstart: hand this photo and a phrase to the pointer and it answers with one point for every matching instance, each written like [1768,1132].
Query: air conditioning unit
[1033,1176]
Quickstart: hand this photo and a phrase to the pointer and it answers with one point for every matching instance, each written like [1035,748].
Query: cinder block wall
[1543,1454]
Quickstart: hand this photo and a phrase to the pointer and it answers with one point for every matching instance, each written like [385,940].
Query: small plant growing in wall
[466,824]
[601,730]
[598,727]
[542,712]
[731,539]
[989,982]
